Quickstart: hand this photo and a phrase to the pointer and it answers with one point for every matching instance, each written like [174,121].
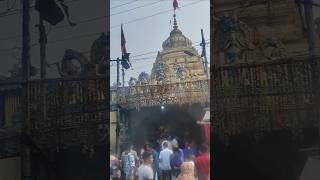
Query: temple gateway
[169,101]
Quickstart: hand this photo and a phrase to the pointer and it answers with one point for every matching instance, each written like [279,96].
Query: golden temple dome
[176,39]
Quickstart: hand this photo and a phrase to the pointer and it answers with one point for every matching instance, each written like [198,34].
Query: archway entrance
[153,123]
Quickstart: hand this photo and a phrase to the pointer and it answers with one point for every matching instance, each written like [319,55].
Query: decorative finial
[175,24]
[175,6]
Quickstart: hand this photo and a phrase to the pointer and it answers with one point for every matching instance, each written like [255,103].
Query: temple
[169,101]
[178,61]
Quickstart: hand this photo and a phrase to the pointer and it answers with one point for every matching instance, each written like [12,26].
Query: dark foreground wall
[71,164]
[275,157]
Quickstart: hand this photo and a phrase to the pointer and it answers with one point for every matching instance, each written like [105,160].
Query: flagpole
[204,54]
[125,62]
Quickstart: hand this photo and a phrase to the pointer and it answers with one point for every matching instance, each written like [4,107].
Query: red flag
[123,42]
[175,4]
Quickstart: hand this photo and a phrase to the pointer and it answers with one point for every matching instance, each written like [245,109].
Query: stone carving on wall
[181,73]
[143,78]
[84,66]
[234,37]
[132,81]
[161,72]
[68,68]
[273,48]
[239,42]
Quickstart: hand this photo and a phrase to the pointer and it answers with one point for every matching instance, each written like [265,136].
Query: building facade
[263,76]
[264,89]
[179,61]
[66,119]
[177,85]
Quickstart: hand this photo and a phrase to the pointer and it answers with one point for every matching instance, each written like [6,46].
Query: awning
[206,116]
[205,123]
[205,119]
[207,133]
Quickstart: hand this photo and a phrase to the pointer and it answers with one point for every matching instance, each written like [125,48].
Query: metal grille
[9,119]
[175,93]
[263,97]
[68,112]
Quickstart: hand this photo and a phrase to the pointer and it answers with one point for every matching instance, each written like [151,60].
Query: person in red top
[202,163]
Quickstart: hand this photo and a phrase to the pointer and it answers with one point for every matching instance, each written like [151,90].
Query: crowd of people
[171,161]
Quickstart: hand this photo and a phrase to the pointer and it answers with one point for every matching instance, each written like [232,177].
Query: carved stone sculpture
[143,78]
[233,37]
[272,48]
[98,53]
[132,81]
[160,71]
[181,73]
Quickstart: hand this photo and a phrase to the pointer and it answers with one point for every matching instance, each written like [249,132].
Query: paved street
[311,169]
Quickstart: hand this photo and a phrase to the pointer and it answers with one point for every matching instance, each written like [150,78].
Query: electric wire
[152,52]
[60,40]
[123,4]
[140,59]
[161,12]
[149,4]
[102,17]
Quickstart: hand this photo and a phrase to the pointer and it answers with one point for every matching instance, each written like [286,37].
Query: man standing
[162,144]
[164,159]
[145,171]
[128,163]
[134,154]
[155,156]
[202,163]
[176,160]
[189,151]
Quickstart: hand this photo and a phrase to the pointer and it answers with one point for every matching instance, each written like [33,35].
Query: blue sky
[146,35]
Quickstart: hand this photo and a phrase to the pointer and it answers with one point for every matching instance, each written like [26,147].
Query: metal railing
[263,97]
[65,112]
[174,93]
[76,111]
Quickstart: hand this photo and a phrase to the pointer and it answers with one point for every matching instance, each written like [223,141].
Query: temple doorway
[154,123]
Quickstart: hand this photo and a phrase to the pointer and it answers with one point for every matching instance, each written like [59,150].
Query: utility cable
[123,4]
[121,12]
[162,12]
[103,17]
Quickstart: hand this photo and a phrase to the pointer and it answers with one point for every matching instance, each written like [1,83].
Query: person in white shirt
[145,171]
[162,148]
[164,161]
